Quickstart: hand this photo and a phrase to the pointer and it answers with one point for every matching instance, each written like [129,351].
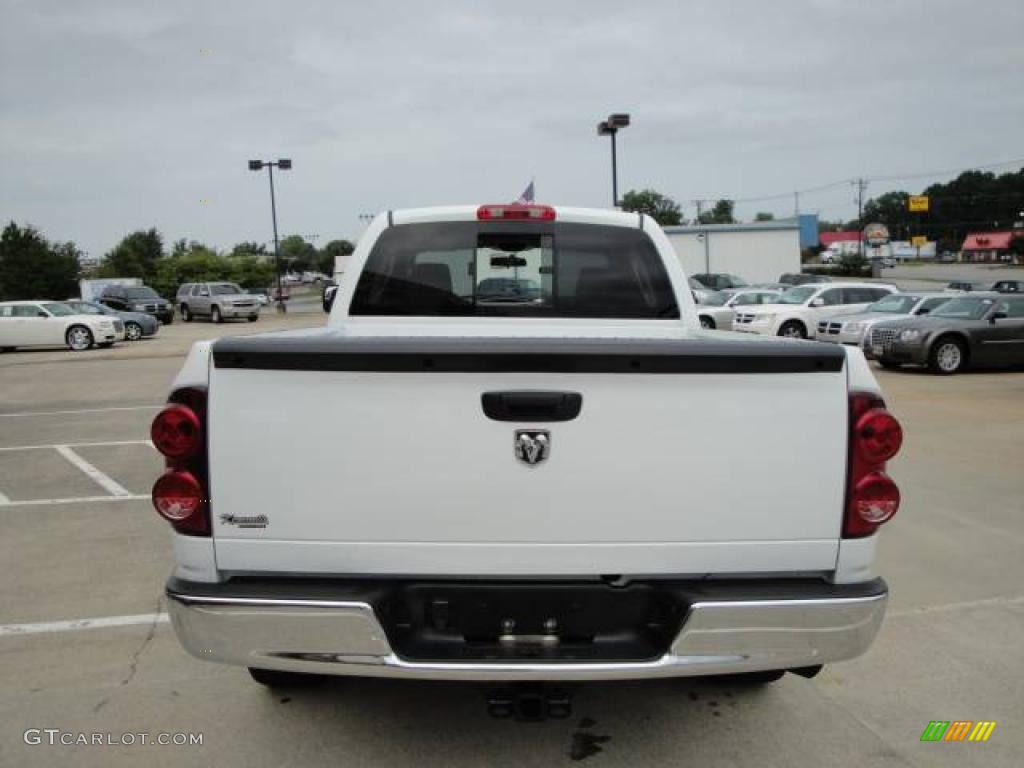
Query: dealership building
[757,252]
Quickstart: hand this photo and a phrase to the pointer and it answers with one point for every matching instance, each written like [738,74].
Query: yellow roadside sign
[919,241]
[918,203]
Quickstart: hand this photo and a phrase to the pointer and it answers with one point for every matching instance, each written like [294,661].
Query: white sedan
[797,311]
[51,323]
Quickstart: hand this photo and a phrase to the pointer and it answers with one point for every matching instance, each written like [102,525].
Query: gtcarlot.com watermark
[56,736]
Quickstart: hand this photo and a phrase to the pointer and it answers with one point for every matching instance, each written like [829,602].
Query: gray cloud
[124,114]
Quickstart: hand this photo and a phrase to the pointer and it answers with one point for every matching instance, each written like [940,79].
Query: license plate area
[530,622]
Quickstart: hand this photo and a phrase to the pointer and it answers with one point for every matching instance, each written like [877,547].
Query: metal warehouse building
[757,252]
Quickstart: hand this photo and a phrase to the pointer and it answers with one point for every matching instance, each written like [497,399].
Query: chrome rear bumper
[342,637]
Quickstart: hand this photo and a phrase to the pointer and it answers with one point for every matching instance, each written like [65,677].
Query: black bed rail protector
[526,355]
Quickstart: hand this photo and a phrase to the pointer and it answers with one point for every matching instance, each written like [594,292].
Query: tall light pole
[283,164]
[610,127]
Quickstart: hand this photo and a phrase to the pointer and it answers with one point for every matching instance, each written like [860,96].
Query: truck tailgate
[373,456]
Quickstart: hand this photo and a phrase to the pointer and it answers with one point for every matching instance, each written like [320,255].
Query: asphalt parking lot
[85,646]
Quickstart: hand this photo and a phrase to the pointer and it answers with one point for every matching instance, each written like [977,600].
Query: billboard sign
[876,234]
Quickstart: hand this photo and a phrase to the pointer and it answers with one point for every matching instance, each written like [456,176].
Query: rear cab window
[473,269]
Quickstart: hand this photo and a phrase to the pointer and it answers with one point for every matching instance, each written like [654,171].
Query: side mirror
[923,311]
[997,316]
[818,302]
[40,313]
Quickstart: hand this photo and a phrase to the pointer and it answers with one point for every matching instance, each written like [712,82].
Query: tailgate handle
[532,405]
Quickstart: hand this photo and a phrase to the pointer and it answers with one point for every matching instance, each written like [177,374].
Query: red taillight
[878,436]
[875,437]
[179,494]
[515,212]
[176,431]
[178,497]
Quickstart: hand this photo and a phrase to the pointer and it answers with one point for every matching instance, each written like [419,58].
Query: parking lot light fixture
[284,164]
[610,127]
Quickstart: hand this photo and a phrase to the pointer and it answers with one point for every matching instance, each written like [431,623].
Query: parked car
[53,323]
[798,310]
[1008,286]
[136,324]
[802,278]
[965,286]
[330,291]
[982,330]
[218,301]
[719,281]
[719,311]
[850,329]
[698,290]
[565,553]
[138,298]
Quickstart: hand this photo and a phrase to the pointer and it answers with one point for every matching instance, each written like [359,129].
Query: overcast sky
[123,114]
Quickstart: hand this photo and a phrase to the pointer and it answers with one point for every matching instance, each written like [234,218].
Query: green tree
[890,209]
[720,213]
[297,255]
[253,272]
[249,249]
[325,259]
[764,216]
[193,262]
[137,255]
[33,268]
[853,264]
[661,208]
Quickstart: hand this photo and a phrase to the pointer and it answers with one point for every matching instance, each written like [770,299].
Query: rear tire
[215,316]
[78,338]
[947,356]
[186,314]
[793,329]
[273,678]
[707,323]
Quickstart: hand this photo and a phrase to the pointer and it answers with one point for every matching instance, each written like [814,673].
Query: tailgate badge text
[245,521]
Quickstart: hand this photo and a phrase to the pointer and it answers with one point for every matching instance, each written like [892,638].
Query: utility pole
[861,186]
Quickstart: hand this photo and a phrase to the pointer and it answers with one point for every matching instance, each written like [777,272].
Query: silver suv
[218,301]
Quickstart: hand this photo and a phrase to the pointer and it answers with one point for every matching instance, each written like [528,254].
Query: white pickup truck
[512,454]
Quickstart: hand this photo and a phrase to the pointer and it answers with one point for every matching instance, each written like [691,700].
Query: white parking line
[79,500]
[84,410]
[105,481]
[77,445]
[8,630]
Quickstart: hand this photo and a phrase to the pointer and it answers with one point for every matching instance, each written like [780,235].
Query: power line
[843,182]
[946,172]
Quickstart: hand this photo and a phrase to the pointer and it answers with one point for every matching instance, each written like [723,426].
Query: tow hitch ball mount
[528,702]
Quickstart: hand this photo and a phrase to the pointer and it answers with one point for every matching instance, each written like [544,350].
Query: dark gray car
[136,324]
[977,330]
